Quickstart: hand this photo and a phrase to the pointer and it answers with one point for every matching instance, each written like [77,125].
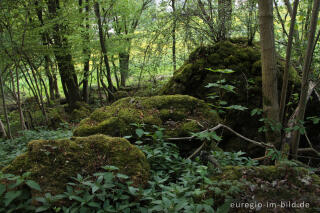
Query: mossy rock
[80,113]
[120,94]
[178,114]
[52,163]
[193,77]
[262,184]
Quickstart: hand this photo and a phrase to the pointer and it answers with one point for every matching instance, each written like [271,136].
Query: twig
[261,144]
[310,149]
[197,150]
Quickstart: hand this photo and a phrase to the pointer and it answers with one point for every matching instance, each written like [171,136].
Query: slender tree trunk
[124,67]
[225,18]
[305,76]
[174,26]
[55,81]
[45,41]
[22,120]
[64,59]
[49,76]
[17,97]
[285,78]
[5,106]
[269,79]
[115,69]
[86,52]
[3,133]
[103,47]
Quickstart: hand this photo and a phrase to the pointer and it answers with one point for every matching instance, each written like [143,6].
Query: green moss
[272,184]
[120,94]
[79,114]
[172,112]
[53,163]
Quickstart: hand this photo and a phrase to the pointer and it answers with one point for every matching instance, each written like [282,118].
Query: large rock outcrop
[193,77]
[179,115]
[53,162]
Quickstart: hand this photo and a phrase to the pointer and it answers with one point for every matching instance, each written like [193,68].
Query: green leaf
[139,132]
[33,185]
[42,208]
[225,71]
[2,189]
[10,196]
[122,176]
[237,107]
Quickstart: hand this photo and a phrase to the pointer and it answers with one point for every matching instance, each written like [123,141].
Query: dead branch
[261,144]
[310,149]
[197,150]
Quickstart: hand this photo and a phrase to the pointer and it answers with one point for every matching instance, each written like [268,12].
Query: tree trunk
[115,69]
[305,77]
[103,48]
[18,100]
[174,26]
[55,81]
[269,78]
[50,77]
[86,53]
[225,19]
[124,67]
[3,133]
[285,78]
[62,53]
[5,106]
[45,41]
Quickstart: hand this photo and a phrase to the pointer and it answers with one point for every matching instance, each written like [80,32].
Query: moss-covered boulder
[120,94]
[53,162]
[193,77]
[270,184]
[178,114]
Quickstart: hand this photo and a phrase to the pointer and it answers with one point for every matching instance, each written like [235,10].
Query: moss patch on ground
[52,163]
[272,184]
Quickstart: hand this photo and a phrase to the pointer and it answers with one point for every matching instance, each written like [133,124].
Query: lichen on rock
[52,163]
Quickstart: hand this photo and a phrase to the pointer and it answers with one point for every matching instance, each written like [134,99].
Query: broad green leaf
[33,185]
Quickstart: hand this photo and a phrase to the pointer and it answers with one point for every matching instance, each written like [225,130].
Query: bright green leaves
[222,85]
[224,71]
[207,135]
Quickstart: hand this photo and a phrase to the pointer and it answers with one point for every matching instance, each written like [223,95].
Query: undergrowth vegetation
[176,184]
[10,149]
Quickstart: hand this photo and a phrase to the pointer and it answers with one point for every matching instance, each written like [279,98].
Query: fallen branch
[197,150]
[310,149]
[261,144]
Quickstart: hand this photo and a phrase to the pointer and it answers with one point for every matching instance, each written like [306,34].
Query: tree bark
[269,79]
[124,67]
[285,78]
[5,106]
[18,100]
[86,52]
[3,133]
[103,48]
[63,56]
[225,19]
[305,76]
[174,26]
